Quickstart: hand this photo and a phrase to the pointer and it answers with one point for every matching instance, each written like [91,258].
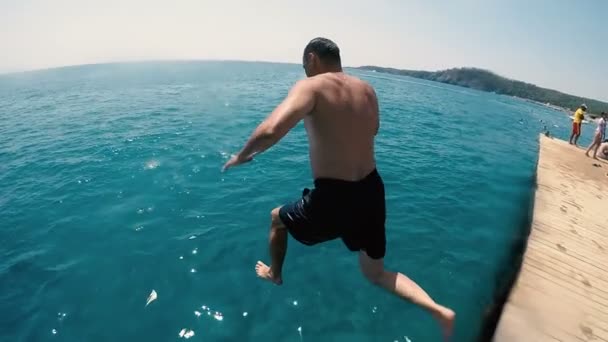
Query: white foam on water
[61,316]
[295,303]
[193,271]
[140,211]
[181,257]
[152,164]
[182,333]
[194,251]
[193,236]
[245,314]
[215,314]
[374,309]
[138,228]
[54,332]
[197,313]
[407,339]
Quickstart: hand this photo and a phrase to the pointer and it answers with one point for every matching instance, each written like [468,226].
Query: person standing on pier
[577,123]
[598,137]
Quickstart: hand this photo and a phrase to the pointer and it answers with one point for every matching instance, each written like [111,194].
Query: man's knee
[373,270]
[276,219]
[373,276]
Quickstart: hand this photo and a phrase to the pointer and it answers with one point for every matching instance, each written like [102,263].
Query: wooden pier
[561,292]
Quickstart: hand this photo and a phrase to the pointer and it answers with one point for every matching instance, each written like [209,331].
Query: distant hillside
[488,81]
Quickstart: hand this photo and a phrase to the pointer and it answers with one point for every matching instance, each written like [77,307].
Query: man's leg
[594,145]
[572,135]
[597,141]
[590,147]
[278,249]
[578,134]
[407,289]
[595,152]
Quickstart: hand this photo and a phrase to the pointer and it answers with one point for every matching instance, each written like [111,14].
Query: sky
[557,44]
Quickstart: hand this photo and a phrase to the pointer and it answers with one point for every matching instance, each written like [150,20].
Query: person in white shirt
[598,136]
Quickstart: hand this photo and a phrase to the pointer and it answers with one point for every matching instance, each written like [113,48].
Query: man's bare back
[342,126]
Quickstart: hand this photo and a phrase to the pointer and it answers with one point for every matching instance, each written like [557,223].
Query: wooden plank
[574,236]
[567,254]
[561,293]
[584,274]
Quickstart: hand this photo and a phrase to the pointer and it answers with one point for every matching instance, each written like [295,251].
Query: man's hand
[235,160]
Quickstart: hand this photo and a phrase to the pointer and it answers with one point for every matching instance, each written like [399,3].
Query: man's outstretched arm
[299,102]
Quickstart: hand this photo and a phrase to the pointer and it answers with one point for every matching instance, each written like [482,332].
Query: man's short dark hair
[325,49]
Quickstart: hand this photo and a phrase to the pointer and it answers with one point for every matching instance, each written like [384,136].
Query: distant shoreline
[488,81]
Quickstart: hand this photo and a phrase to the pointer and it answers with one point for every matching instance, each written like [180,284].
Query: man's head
[321,55]
[584,107]
[604,115]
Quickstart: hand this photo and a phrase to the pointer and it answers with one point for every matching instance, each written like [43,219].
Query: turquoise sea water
[111,187]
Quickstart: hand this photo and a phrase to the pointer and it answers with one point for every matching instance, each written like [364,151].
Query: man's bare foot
[265,272]
[587,154]
[446,317]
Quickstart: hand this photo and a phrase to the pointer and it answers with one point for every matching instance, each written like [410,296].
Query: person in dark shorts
[341,117]
[351,210]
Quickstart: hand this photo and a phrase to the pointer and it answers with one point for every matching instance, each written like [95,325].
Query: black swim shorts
[352,211]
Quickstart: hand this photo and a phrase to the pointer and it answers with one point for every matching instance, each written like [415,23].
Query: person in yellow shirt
[577,123]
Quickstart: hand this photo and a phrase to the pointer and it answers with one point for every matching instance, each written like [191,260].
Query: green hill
[488,81]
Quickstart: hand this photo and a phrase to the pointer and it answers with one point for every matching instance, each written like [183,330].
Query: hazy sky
[553,43]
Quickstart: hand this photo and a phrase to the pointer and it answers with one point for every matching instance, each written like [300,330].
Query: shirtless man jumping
[341,117]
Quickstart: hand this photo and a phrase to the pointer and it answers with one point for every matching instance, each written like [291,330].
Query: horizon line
[231,60]
[143,60]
